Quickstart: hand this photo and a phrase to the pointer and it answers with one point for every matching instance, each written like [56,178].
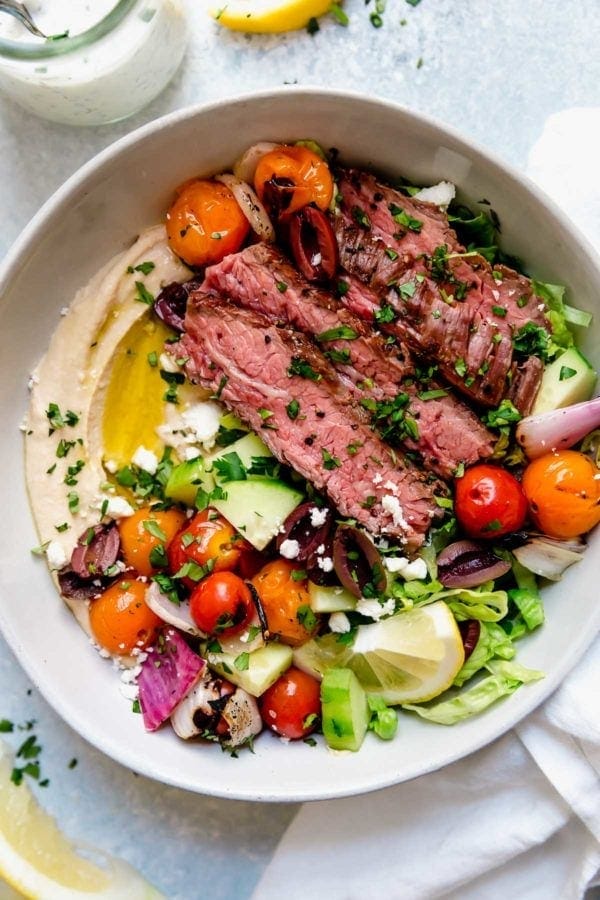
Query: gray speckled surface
[494,71]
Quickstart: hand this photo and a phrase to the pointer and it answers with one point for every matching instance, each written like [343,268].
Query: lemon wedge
[410,657]
[268,16]
[37,860]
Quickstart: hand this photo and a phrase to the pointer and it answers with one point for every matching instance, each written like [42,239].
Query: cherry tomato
[291,707]
[205,223]
[563,491]
[288,178]
[206,537]
[221,604]
[148,530]
[489,502]
[121,620]
[286,602]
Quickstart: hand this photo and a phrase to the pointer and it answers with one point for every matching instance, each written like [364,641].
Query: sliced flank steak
[414,277]
[275,379]
[446,434]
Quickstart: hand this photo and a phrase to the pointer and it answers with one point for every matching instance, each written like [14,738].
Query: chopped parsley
[230,467]
[152,359]
[360,217]
[143,294]
[57,420]
[499,311]
[242,661]
[566,372]
[401,217]
[153,528]
[293,409]
[301,367]
[460,367]
[338,356]
[433,394]
[329,462]
[532,340]
[391,419]
[338,14]
[282,287]
[342,332]
[306,617]
[342,288]
[385,314]
[145,268]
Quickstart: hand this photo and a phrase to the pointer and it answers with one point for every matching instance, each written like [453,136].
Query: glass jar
[103,61]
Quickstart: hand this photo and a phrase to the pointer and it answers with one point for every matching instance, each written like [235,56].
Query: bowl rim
[10,264]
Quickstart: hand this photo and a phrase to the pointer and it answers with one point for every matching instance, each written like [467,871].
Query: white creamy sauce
[103,81]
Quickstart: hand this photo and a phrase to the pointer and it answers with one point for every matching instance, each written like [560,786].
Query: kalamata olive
[75,588]
[171,303]
[319,565]
[313,244]
[277,196]
[96,551]
[465,564]
[357,562]
[469,632]
[299,527]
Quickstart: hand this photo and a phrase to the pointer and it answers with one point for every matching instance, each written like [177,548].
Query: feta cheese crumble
[442,194]
[415,570]
[373,609]
[289,549]
[318,516]
[395,563]
[145,459]
[392,506]
[56,556]
[339,623]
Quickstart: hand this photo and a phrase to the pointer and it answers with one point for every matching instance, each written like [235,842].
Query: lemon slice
[267,16]
[411,657]
[38,861]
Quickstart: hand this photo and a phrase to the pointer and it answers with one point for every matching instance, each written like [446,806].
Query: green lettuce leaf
[504,678]
[481,603]
[560,315]
[493,642]
[526,596]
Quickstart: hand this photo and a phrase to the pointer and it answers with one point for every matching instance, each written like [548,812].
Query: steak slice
[262,279]
[257,367]
[446,304]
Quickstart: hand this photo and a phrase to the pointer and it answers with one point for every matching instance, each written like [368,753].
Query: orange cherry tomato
[288,178]
[221,604]
[563,492]
[144,534]
[489,502]
[291,707]
[286,602]
[207,537]
[205,223]
[121,620]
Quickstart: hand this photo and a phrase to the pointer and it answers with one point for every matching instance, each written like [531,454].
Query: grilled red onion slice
[465,564]
[549,557]
[559,429]
[171,613]
[96,551]
[245,166]
[298,527]
[357,561]
[469,632]
[250,205]
[313,244]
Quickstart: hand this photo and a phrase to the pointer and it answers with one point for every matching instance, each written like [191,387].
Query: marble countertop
[494,71]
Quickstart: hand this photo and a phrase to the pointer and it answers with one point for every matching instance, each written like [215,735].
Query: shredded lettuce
[481,603]
[504,678]
[493,642]
[560,315]
[526,596]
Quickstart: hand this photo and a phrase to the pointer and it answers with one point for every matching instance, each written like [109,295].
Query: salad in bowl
[300,457]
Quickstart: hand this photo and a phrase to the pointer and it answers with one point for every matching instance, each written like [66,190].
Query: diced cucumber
[324,599]
[344,710]
[246,447]
[231,422]
[258,507]
[185,479]
[255,672]
[569,379]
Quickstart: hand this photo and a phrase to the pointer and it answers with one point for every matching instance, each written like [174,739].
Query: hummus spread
[68,483]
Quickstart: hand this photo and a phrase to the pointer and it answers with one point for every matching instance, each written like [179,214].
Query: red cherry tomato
[291,707]
[208,536]
[221,604]
[489,502]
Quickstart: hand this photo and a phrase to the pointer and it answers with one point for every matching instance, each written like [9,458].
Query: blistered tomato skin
[205,223]
[291,707]
[285,601]
[207,538]
[221,604]
[120,619]
[563,492]
[489,502]
[289,178]
[146,531]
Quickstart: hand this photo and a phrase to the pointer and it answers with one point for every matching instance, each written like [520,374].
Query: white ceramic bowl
[95,215]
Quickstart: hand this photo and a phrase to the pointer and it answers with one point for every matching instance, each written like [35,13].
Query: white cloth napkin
[520,818]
